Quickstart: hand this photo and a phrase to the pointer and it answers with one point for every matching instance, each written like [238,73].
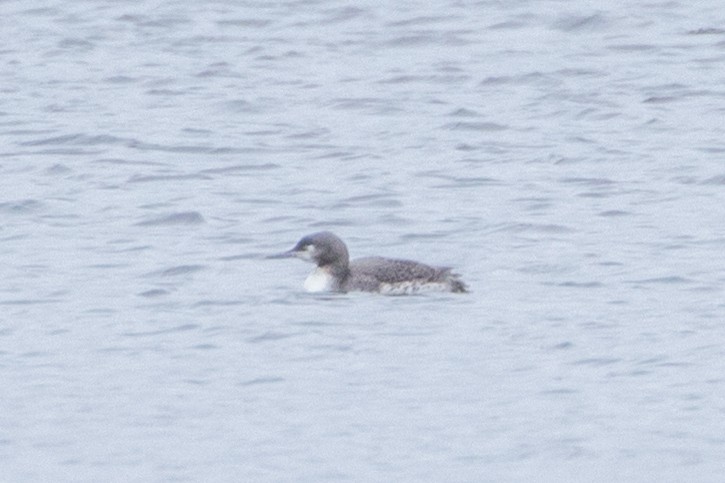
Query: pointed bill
[287,254]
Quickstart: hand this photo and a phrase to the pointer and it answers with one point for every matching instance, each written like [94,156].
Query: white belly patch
[318,281]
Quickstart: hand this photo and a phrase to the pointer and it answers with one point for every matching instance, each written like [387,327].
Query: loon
[336,273]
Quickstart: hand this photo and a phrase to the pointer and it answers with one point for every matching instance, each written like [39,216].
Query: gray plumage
[335,272]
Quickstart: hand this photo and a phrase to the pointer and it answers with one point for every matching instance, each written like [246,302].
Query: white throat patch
[319,281]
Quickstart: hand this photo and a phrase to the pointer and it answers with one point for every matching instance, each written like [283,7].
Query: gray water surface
[567,158]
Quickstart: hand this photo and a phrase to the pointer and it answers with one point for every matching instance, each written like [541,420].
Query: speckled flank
[401,276]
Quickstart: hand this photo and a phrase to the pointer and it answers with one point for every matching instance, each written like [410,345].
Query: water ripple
[475,126]
[180,218]
[261,380]
[181,270]
[673,279]
[21,206]
[166,177]
[270,336]
[170,330]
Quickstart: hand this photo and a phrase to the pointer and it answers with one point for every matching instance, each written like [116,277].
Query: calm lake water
[567,158]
